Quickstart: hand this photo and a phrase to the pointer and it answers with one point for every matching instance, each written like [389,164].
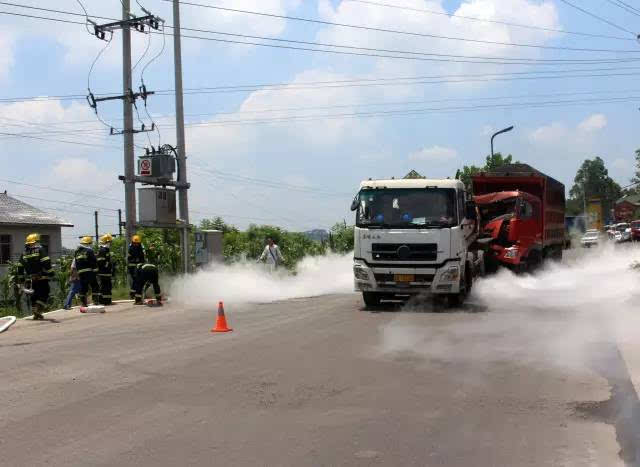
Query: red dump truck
[522,216]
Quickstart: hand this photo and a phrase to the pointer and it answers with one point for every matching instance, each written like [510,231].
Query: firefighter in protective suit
[135,256]
[34,271]
[106,268]
[87,267]
[147,273]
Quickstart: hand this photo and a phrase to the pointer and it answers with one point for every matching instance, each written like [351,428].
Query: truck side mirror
[470,210]
[355,203]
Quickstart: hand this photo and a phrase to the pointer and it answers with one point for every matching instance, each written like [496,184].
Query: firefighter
[87,267]
[135,257]
[106,268]
[147,273]
[34,272]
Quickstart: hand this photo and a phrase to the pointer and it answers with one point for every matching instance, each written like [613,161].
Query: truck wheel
[371,299]
[455,300]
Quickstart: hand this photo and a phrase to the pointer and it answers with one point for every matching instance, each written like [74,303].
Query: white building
[17,220]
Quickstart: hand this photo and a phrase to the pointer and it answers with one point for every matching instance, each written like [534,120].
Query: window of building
[5,249]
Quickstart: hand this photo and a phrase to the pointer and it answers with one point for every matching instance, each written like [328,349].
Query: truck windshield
[407,207]
[505,207]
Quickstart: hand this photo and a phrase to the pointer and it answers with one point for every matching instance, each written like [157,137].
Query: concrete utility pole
[183,199]
[129,161]
[95,213]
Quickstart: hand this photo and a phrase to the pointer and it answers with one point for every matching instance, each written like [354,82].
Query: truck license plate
[404,277]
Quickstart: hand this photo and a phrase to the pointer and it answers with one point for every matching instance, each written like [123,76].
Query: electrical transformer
[157,165]
[157,205]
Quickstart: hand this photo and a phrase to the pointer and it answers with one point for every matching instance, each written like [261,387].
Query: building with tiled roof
[17,220]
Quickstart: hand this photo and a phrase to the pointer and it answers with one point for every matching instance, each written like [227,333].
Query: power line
[625,7]
[14,182]
[572,49]
[506,23]
[406,112]
[368,28]
[600,18]
[21,135]
[451,59]
[310,118]
[334,24]
[350,105]
[628,6]
[70,203]
[317,84]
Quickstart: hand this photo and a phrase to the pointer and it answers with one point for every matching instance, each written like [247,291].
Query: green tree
[636,176]
[491,162]
[341,238]
[217,224]
[593,179]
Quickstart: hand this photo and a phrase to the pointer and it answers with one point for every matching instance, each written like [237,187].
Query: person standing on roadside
[87,266]
[106,268]
[271,255]
[135,256]
[34,272]
[75,285]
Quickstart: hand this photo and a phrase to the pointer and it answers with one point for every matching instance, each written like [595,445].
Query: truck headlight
[511,253]
[360,273]
[451,274]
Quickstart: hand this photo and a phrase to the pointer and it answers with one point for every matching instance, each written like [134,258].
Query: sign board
[144,166]
[594,214]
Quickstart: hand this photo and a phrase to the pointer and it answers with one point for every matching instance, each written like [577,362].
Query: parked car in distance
[591,238]
[623,232]
[635,231]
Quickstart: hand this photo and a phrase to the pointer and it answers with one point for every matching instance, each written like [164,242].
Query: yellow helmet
[32,239]
[106,238]
[86,240]
[136,239]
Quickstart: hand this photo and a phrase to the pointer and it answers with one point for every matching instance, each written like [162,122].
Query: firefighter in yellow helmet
[106,268]
[135,256]
[87,267]
[34,272]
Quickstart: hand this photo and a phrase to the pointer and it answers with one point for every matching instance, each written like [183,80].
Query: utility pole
[95,213]
[183,199]
[127,105]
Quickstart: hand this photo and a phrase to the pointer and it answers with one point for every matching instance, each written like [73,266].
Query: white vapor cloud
[433,153]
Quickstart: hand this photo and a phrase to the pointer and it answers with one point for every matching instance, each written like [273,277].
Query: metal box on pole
[157,205]
[208,247]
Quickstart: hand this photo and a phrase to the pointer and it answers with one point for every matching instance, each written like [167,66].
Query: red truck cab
[513,219]
[522,215]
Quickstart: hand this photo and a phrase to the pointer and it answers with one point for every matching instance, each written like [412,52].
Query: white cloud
[593,123]
[551,133]
[543,14]
[77,173]
[560,133]
[434,153]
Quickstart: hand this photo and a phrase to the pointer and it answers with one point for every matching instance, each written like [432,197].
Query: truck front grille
[404,251]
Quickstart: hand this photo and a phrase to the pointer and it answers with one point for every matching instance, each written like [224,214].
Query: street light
[499,133]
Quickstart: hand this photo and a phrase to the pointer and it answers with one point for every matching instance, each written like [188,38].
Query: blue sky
[313,164]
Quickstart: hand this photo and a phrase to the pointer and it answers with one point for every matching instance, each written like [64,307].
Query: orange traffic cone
[221,322]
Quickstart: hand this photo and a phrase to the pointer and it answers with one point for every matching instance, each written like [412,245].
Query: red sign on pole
[145,167]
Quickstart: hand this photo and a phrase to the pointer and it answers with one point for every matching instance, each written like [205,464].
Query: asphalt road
[315,381]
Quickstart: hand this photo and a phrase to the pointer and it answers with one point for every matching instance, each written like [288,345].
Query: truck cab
[513,220]
[413,236]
